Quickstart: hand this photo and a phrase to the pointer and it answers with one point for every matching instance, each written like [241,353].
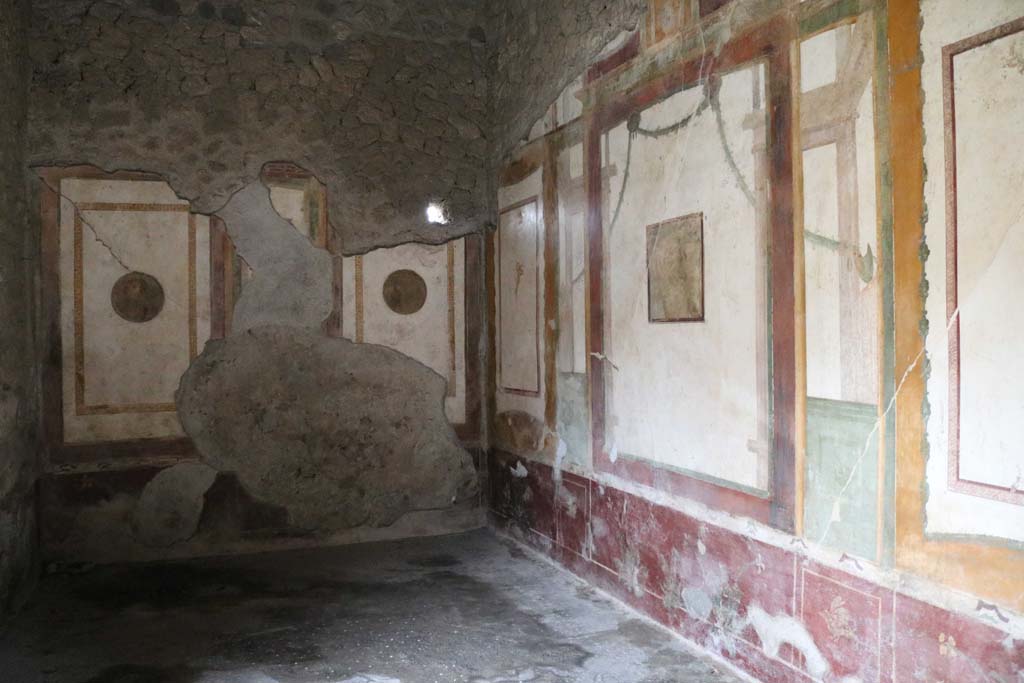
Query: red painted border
[769,41]
[629,50]
[220,251]
[469,431]
[954,481]
[639,551]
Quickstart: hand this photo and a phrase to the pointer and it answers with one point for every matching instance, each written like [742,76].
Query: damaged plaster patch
[291,283]
[339,434]
[171,505]
[521,430]
[773,631]
[632,571]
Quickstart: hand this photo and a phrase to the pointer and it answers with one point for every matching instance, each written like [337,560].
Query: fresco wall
[842,290]
[394,97]
[136,284]
[573,418]
[412,299]
[973,75]
[519,278]
[686,283]
[745,321]
[135,306]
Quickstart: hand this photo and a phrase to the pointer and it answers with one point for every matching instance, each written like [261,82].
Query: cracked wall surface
[385,102]
[17,375]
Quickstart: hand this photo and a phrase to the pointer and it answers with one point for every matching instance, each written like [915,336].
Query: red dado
[772,612]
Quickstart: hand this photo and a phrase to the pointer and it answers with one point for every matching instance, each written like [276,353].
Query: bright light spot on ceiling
[436,214]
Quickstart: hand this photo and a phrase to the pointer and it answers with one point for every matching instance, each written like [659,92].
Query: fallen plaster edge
[718,659]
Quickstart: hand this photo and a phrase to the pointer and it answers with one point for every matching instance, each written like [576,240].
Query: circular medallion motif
[405,292]
[137,297]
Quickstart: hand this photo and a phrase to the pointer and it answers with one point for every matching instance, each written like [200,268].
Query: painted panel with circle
[137,297]
[135,306]
[412,298]
[404,291]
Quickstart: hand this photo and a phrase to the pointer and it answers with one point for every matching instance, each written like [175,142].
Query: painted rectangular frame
[537,308]
[949,52]
[59,454]
[969,564]
[770,42]
[81,407]
[360,308]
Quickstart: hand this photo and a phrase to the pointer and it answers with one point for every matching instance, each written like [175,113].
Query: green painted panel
[841,483]
[574,417]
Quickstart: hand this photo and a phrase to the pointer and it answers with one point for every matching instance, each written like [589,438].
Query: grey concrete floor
[470,608]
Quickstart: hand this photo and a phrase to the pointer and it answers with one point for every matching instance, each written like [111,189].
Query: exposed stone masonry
[384,101]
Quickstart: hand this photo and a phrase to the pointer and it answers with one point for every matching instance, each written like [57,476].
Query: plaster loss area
[338,434]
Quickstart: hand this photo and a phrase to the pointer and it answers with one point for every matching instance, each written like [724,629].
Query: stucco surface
[340,434]
[118,376]
[689,395]
[291,282]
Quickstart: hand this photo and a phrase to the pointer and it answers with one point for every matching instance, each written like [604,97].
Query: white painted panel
[989,97]
[290,203]
[821,273]
[686,395]
[569,105]
[128,362]
[519,273]
[945,22]
[520,333]
[425,335]
[572,251]
[130,370]
[818,61]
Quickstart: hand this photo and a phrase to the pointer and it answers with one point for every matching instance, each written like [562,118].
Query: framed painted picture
[675,270]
